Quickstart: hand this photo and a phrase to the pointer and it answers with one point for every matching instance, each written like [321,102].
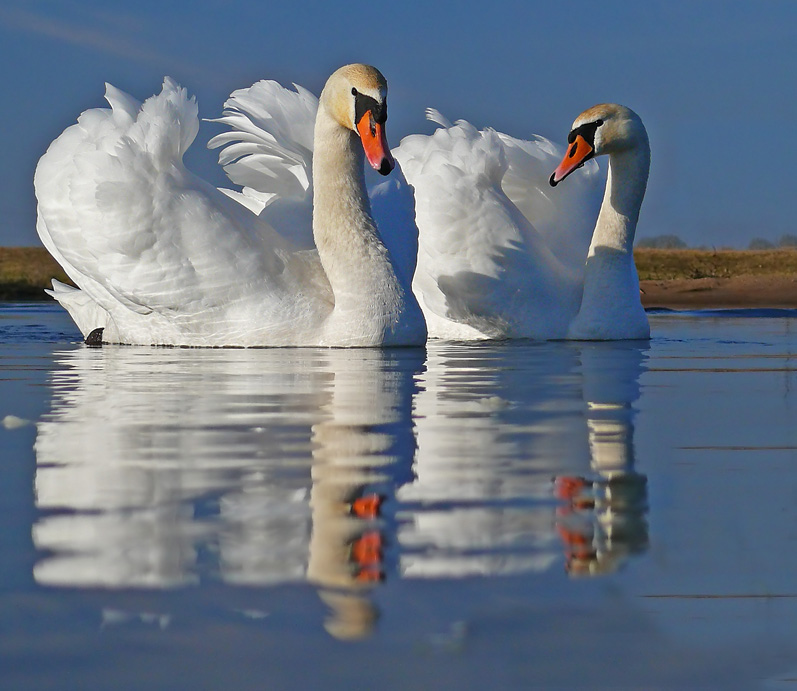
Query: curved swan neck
[338,180]
[367,292]
[625,188]
[610,305]
[345,234]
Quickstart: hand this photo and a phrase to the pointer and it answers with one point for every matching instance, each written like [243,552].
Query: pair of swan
[161,257]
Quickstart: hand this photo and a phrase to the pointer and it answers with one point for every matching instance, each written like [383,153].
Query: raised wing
[565,216]
[268,151]
[480,261]
[143,236]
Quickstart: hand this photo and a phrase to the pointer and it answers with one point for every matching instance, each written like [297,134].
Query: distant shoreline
[675,279]
[721,293]
[706,279]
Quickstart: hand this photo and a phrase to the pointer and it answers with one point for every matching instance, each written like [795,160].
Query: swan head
[607,128]
[355,96]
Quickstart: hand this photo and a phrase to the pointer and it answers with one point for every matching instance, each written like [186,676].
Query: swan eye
[598,122]
[353,91]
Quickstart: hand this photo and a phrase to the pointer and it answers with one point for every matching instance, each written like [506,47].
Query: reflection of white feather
[149,453]
[480,502]
[150,458]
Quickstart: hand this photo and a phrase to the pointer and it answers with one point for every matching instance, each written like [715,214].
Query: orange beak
[577,153]
[375,145]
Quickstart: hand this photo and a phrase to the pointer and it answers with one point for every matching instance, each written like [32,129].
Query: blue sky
[714,80]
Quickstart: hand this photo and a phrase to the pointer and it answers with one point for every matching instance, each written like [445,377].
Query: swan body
[501,255]
[161,257]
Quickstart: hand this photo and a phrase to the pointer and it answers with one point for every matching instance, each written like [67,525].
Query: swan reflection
[168,467]
[161,467]
[603,520]
[493,428]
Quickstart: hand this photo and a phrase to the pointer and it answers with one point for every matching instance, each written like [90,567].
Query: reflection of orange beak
[375,145]
[577,153]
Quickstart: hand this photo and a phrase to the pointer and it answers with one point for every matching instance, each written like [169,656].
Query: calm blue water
[526,515]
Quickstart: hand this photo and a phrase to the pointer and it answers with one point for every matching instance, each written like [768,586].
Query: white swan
[161,257]
[610,306]
[501,255]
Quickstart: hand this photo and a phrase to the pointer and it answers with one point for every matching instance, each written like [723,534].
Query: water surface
[495,515]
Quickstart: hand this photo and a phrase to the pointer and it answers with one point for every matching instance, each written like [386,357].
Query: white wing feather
[498,255]
[564,217]
[268,151]
[144,237]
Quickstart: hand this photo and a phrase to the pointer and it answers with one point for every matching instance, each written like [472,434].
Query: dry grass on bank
[666,265]
[26,271]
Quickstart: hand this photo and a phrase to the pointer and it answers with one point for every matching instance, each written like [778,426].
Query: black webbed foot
[95,338]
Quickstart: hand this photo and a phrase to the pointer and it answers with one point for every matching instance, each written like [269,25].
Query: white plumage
[500,253]
[161,257]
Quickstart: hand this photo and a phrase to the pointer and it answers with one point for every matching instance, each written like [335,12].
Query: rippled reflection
[158,467]
[494,426]
[604,519]
[168,467]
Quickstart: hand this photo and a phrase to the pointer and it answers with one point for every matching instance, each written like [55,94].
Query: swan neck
[356,262]
[625,188]
[343,228]
[338,178]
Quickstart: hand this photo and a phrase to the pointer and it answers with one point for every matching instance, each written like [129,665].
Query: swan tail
[86,313]
[268,149]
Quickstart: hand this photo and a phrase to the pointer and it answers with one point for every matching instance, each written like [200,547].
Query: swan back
[484,268]
[167,257]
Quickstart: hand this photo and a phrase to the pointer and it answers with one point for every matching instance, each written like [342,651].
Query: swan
[161,257]
[499,254]
[610,307]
